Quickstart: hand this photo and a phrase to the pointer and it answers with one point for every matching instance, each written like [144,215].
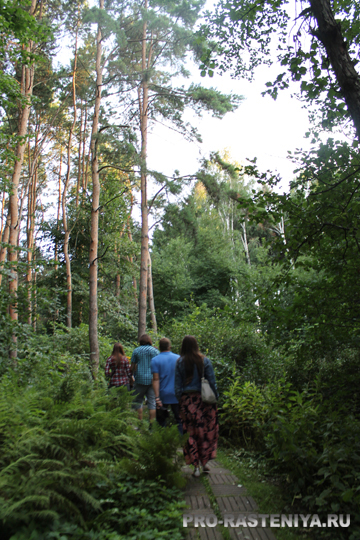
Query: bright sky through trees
[261,127]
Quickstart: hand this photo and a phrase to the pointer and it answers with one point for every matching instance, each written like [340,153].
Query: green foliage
[132,509]
[243,35]
[314,445]
[232,347]
[216,242]
[310,302]
[16,20]
[243,413]
[157,456]
[210,99]
[63,444]
[55,448]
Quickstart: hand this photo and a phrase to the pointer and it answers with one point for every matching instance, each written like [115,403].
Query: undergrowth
[307,442]
[72,466]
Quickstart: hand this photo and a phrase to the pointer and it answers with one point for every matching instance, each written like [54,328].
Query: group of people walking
[168,380]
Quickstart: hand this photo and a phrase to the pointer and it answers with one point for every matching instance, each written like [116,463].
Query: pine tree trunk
[34,323]
[2,213]
[67,182]
[151,297]
[117,258]
[84,156]
[117,279]
[4,240]
[56,252]
[143,106]
[94,230]
[66,186]
[117,284]
[130,238]
[79,164]
[30,239]
[27,79]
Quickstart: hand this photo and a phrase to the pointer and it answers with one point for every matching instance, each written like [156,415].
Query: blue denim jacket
[195,384]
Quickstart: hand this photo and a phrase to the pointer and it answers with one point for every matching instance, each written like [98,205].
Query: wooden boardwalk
[234,507]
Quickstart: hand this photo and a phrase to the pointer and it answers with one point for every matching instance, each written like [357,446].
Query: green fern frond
[26,460]
[36,500]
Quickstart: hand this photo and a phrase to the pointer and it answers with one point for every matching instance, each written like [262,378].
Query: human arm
[155,367]
[108,367]
[127,368]
[156,387]
[134,360]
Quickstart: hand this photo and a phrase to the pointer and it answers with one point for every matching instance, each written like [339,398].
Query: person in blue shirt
[163,371]
[140,366]
[199,419]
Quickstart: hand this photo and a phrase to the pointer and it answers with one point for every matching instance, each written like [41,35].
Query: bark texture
[4,240]
[330,35]
[151,297]
[66,187]
[31,238]
[27,81]
[143,109]
[94,226]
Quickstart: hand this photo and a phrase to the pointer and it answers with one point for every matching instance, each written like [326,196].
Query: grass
[215,507]
[253,474]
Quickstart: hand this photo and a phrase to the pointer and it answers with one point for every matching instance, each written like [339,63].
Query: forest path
[222,496]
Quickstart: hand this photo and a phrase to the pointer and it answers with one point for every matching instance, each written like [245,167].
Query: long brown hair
[191,357]
[117,353]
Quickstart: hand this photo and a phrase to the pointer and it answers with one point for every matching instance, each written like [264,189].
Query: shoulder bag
[207,394]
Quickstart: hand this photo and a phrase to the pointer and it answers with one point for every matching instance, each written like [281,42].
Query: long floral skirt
[200,420]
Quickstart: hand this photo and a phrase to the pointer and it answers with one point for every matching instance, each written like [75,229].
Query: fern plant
[53,452]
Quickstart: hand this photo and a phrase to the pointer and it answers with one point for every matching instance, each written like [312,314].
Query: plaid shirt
[142,356]
[119,375]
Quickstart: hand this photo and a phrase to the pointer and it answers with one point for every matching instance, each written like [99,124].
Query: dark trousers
[162,415]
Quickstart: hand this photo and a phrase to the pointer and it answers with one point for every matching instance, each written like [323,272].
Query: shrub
[243,414]
[314,445]
[61,473]
[157,456]
[232,347]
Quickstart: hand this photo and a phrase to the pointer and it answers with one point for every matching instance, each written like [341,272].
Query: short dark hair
[145,340]
[164,344]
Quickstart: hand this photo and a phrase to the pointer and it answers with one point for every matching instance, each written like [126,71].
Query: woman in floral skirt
[200,420]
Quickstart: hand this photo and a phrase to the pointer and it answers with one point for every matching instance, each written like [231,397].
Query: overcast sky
[261,127]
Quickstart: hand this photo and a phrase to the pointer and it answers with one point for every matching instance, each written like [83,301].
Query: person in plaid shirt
[118,368]
[140,365]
